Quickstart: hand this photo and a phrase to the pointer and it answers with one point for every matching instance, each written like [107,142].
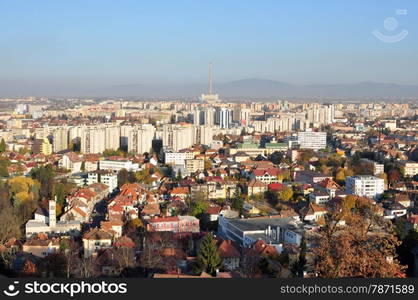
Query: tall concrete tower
[210,79]
[52,213]
[210,97]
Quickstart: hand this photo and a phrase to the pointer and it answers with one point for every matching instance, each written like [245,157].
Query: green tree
[61,190]
[45,175]
[2,145]
[4,163]
[208,258]
[238,200]
[306,155]
[285,194]
[198,204]
[111,152]
[122,177]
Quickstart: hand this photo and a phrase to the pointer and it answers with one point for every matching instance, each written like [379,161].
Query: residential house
[229,253]
[313,212]
[94,240]
[256,187]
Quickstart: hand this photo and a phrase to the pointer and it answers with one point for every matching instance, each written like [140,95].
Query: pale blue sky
[117,42]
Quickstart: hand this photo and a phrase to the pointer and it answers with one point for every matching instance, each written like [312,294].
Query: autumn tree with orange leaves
[357,243]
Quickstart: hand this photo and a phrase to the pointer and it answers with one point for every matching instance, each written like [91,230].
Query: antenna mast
[210,78]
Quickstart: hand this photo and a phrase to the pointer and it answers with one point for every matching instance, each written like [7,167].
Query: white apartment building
[197,116]
[203,135]
[93,140]
[117,165]
[177,137]
[224,117]
[112,137]
[140,139]
[312,140]
[365,185]
[209,116]
[75,132]
[178,158]
[108,178]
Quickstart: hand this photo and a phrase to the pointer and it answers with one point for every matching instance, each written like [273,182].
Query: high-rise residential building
[224,117]
[21,109]
[244,116]
[203,135]
[75,132]
[60,139]
[209,116]
[42,146]
[312,140]
[177,137]
[197,117]
[93,140]
[321,114]
[112,137]
[140,138]
[365,185]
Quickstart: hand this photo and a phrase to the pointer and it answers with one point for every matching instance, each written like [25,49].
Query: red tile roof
[275,186]
[227,249]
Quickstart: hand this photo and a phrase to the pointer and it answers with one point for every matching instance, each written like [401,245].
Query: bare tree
[9,225]
[71,250]
[125,258]
[249,263]
[154,245]
[87,267]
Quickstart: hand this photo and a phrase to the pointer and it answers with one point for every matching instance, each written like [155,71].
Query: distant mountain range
[252,87]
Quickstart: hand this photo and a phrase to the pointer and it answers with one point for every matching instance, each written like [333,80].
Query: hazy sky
[124,42]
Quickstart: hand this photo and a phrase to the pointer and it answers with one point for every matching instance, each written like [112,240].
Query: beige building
[256,187]
[193,165]
[60,139]
[41,247]
[94,240]
[410,167]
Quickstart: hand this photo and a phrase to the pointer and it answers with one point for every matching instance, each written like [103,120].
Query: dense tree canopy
[363,247]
